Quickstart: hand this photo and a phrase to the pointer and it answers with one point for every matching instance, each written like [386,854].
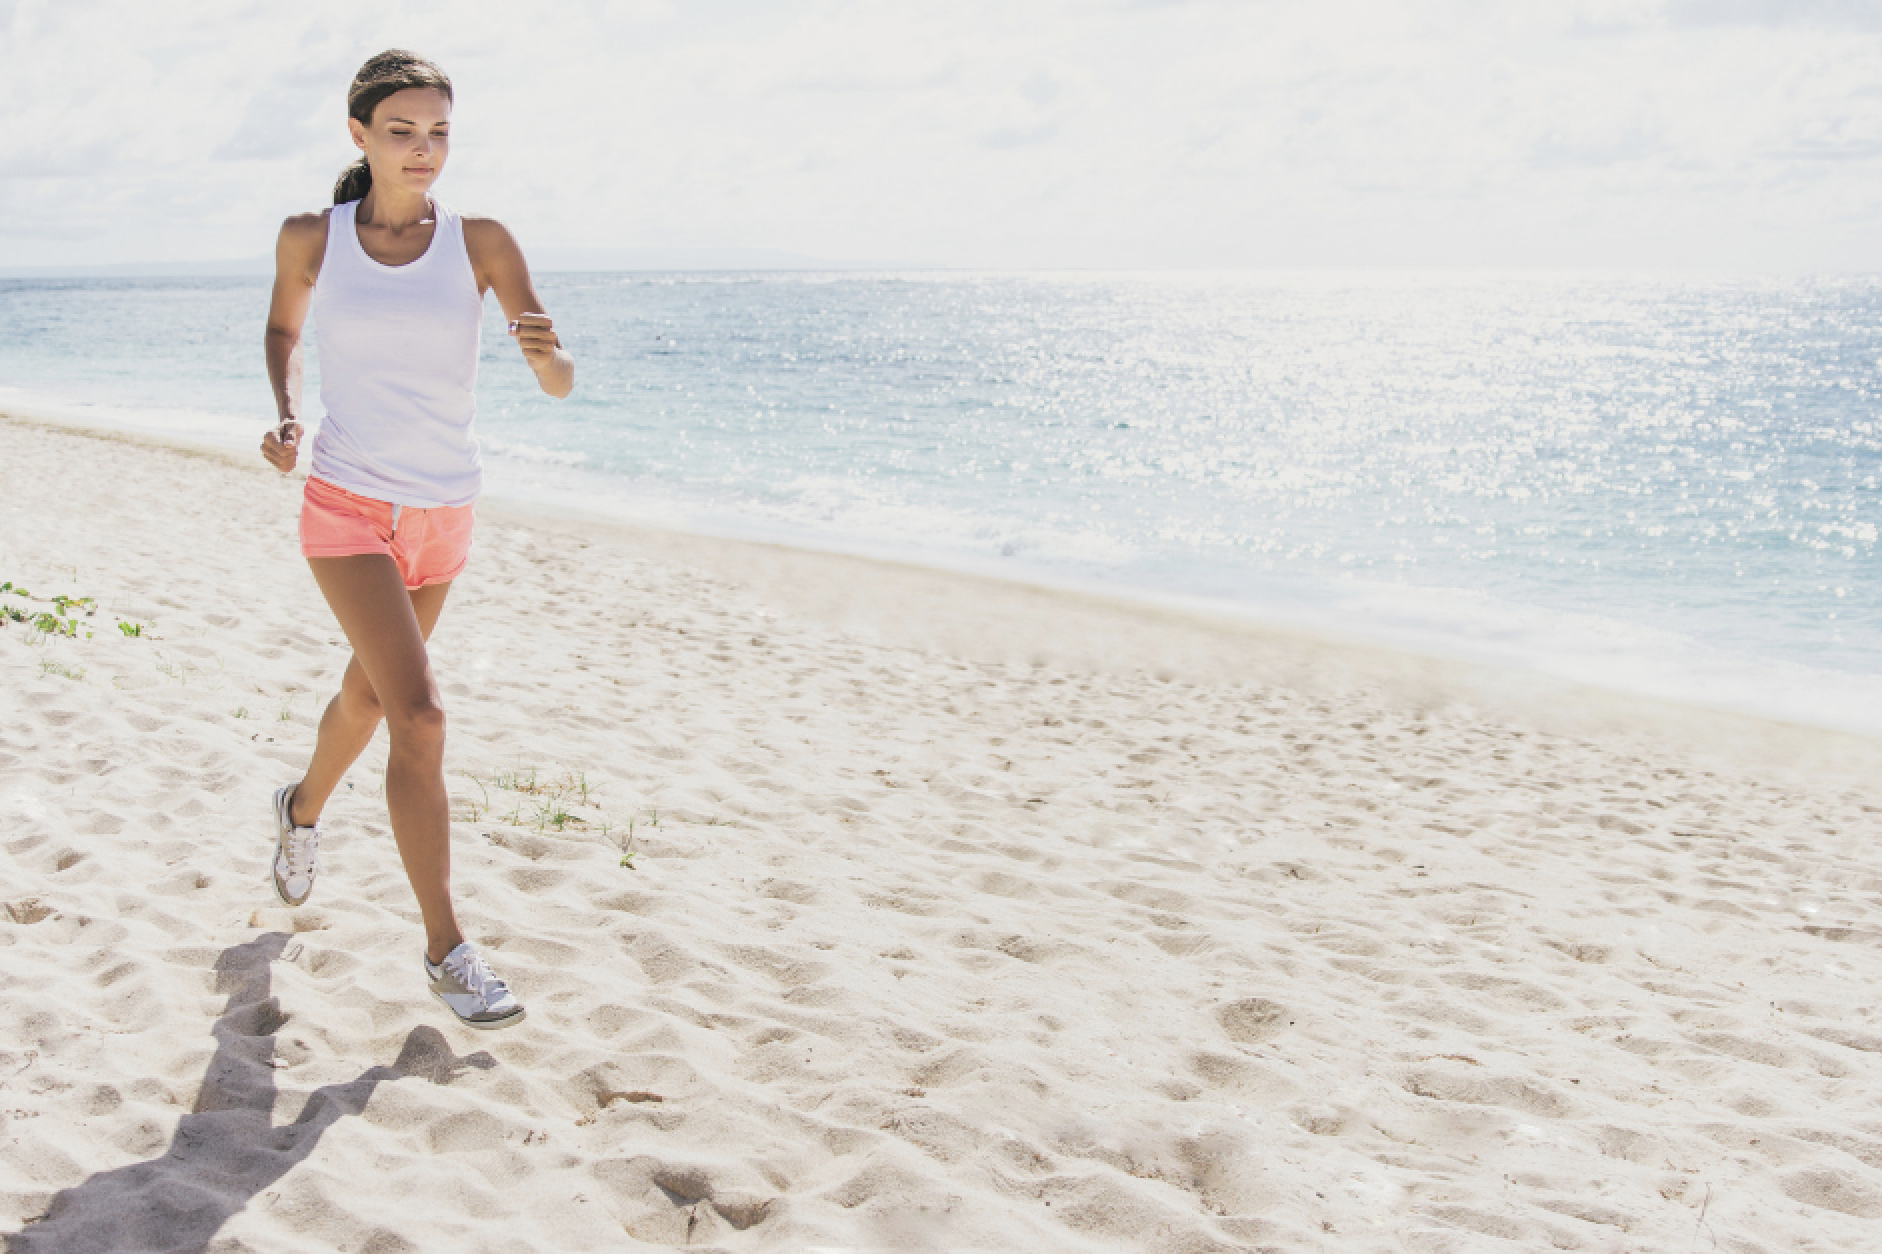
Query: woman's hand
[535,335]
[542,349]
[282,445]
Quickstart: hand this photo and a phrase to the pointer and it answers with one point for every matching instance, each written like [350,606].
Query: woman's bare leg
[383,623]
[351,718]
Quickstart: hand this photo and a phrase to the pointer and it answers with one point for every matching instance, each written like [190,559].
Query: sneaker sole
[487,1025]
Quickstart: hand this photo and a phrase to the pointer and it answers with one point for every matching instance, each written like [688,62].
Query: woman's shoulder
[303,231]
[310,223]
[488,241]
[485,230]
[303,243]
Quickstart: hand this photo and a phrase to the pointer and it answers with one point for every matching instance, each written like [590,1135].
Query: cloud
[1056,132]
[1821,14]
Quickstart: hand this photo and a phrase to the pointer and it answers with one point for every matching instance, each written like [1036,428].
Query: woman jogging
[396,281]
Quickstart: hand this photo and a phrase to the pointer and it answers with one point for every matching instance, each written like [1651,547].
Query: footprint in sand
[1253,1020]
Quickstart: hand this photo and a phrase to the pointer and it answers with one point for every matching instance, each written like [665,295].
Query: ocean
[1665,485]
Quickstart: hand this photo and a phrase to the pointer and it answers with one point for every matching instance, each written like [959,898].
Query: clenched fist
[282,445]
[535,335]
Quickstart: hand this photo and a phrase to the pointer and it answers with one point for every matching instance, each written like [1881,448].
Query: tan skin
[389,676]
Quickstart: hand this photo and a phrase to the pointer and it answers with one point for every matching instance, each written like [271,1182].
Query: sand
[961,916]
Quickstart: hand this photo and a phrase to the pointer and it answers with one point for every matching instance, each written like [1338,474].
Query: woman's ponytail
[389,72]
[354,182]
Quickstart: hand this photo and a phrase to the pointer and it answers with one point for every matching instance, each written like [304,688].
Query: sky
[1725,135]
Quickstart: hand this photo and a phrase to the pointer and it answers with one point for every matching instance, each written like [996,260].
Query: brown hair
[391,71]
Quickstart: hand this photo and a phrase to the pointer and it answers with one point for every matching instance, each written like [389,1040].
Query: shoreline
[1492,636]
[1195,638]
[951,923]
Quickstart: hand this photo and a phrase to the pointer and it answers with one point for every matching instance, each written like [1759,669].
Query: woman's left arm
[498,263]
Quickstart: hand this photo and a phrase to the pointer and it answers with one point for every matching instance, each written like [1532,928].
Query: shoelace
[303,851]
[475,976]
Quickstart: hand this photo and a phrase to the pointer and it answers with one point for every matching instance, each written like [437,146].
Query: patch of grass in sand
[60,620]
[240,711]
[477,808]
[10,613]
[623,842]
[52,666]
[545,800]
[179,671]
[50,624]
[187,673]
[47,623]
[626,841]
[518,781]
[550,803]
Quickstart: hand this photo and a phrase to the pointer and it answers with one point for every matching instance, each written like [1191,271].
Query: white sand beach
[960,916]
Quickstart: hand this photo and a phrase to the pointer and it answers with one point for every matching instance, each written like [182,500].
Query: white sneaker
[296,852]
[472,991]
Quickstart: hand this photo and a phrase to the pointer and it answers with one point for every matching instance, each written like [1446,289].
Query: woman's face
[408,140]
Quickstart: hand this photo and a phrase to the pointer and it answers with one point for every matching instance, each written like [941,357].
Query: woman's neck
[393,209]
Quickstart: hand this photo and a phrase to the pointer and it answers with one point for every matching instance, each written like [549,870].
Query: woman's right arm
[297,257]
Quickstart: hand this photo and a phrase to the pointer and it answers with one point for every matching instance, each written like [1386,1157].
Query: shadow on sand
[229,1148]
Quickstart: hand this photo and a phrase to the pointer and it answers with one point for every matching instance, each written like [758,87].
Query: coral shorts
[427,545]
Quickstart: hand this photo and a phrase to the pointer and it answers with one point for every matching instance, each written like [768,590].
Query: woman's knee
[360,698]
[417,725]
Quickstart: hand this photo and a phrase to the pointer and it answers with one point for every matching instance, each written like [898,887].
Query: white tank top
[398,368]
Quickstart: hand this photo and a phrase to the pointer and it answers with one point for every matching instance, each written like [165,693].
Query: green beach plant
[52,624]
[60,620]
[543,801]
[519,781]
